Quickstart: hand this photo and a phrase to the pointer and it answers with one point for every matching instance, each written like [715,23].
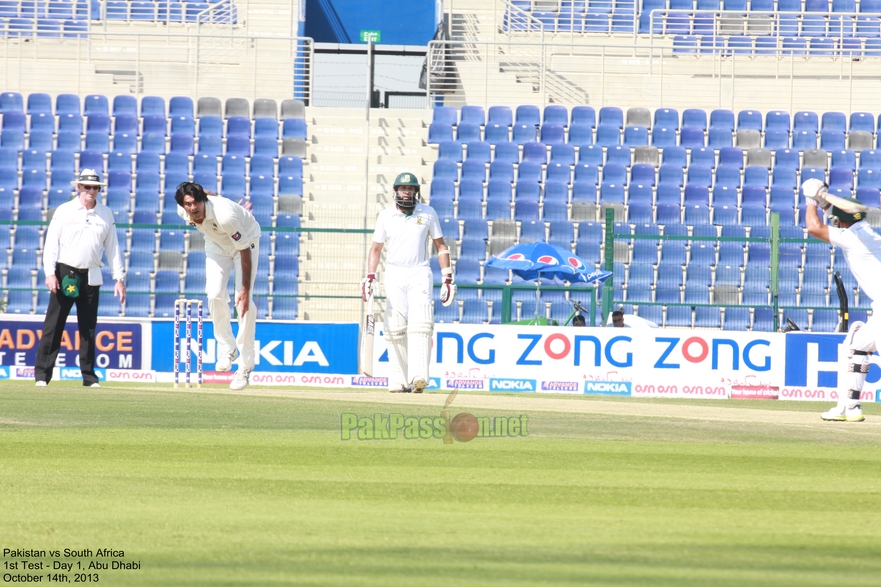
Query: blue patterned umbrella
[531,261]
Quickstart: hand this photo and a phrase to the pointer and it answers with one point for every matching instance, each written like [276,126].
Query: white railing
[164,64]
[665,23]
[223,13]
[648,76]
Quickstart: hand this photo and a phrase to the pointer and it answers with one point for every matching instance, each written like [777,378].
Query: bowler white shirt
[78,237]
[409,237]
[862,250]
[227,227]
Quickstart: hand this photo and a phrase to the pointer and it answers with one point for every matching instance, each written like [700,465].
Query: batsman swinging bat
[842,301]
[844,205]
[367,333]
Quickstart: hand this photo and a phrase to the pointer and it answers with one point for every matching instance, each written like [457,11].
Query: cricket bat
[842,302]
[367,333]
[844,205]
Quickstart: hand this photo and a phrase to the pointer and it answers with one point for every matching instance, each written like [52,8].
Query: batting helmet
[846,216]
[407,179]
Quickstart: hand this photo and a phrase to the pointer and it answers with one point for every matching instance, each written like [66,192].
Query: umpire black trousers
[53,327]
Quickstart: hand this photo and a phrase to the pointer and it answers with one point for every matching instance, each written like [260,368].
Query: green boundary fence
[609,255]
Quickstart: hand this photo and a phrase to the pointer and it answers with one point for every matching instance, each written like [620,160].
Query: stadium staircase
[347,182]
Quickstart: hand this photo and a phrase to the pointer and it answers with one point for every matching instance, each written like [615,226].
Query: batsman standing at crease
[862,251]
[232,240]
[80,232]
[409,227]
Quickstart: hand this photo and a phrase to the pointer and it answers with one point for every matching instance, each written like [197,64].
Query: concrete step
[347,214]
[391,117]
[324,153]
[337,136]
[330,310]
[333,249]
[333,271]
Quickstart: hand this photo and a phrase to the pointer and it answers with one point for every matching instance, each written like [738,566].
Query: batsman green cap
[846,216]
[406,179]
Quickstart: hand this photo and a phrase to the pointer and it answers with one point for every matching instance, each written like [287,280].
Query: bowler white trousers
[217,270]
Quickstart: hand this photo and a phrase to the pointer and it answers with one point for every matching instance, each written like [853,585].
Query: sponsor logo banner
[4,373]
[496,384]
[465,384]
[619,388]
[74,374]
[667,359]
[279,347]
[561,386]
[681,388]
[225,377]
[24,373]
[821,394]
[131,375]
[118,345]
[754,392]
[363,381]
[309,379]
[811,361]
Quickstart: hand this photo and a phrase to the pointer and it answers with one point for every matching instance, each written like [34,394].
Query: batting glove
[367,285]
[815,190]
[447,288]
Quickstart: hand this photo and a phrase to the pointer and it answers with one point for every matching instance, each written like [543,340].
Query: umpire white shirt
[862,249]
[227,226]
[409,237]
[78,237]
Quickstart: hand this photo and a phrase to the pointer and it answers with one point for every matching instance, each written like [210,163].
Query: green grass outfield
[218,489]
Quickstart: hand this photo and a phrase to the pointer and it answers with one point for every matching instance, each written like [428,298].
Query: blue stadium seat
[445,115]
[496,133]
[635,136]
[727,175]
[154,124]
[755,175]
[608,135]
[671,175]
[864,121]
[832,140]
[844,158]
[261,185]
[154,143]
[618,155]
[183,125]
[557,172]
[97,141]
[592,154]
[663,137]
[210,126]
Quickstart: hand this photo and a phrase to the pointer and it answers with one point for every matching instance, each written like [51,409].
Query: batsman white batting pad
[419,332]
[396,337]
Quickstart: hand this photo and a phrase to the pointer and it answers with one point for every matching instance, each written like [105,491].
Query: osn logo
[462,427]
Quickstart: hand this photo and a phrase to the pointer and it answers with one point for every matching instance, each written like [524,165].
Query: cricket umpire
[409,227]
[232,242]
[80,232]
